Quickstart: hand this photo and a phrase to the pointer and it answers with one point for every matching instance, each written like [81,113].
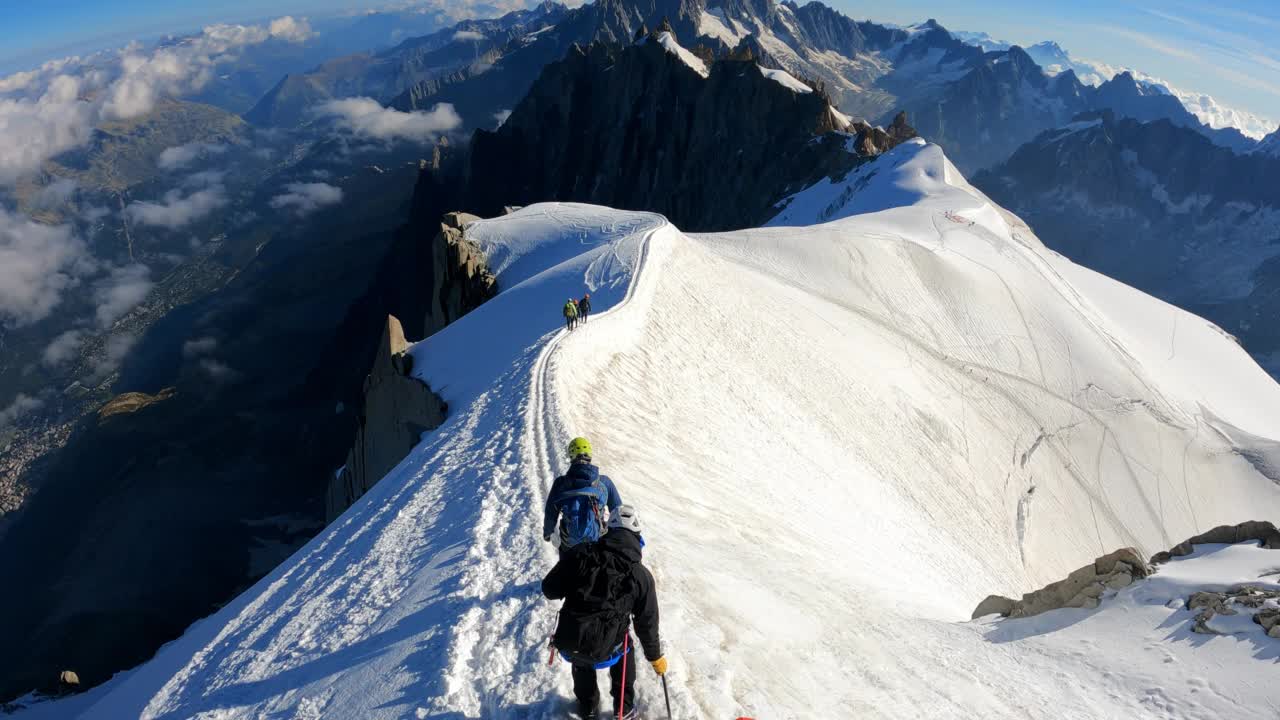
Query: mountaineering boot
[631,714]
[589,712]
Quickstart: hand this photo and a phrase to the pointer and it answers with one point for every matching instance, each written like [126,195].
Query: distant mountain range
[1054,59]
[978,98]
[459,52]
[1159,207]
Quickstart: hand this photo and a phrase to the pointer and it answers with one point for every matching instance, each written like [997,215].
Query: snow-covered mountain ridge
[905,409]
[1054,59]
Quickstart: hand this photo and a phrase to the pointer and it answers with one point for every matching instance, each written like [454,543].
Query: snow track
[839,438]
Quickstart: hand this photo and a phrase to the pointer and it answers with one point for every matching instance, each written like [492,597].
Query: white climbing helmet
[624,516]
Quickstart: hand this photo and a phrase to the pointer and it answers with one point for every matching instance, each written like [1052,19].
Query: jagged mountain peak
[930,31]
[644,125]
[1127,82]
[758,9]
[1049,45]
[1023,59]
[1270,144]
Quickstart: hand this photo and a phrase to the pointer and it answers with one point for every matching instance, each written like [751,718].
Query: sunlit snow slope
[840,438]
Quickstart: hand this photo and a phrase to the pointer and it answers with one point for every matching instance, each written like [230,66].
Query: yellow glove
[659,665]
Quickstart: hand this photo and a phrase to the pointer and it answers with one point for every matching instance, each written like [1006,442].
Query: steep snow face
[669,43]
[840,437]
[716,24]
[786,80]
[916,173]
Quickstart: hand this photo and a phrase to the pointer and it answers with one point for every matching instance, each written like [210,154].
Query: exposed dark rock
[133,401]
[1257,602]
[873,140]
[462,281]
[507,79]
[1260,531]
[1083,588]
[995,605]
[397,409]
[637,128]
[1002,103]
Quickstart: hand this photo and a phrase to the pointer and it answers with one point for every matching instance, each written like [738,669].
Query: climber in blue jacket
[573,494]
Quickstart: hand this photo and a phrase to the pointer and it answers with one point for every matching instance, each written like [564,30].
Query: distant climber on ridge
[570,313]
[580,500]
[584,307]
[603,586]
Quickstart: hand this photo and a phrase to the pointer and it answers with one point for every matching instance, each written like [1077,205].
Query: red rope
[622,701]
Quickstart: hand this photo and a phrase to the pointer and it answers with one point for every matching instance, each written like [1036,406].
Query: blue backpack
[584,511]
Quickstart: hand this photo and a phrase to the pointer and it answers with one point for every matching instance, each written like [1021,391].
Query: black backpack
[597,613]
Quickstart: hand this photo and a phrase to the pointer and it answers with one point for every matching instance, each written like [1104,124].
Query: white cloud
[54,108]
[63,347]
[115,350]
[180,156]
[199,346]
[37,264]
[204,178]
[20,406]
[176,209]
[217,370]
[501,116]
[367,118]
[59,192]
[305,198]
[120,292]
[94,213]
[33,130]
[290,29]
[467,36]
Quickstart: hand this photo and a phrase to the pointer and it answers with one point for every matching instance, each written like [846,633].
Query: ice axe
[666,695]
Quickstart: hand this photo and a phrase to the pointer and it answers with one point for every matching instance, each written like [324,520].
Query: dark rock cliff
[395,408]
[636,127]
[1002,103]
[479,96]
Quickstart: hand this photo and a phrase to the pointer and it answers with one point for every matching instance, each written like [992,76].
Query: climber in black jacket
[604,586]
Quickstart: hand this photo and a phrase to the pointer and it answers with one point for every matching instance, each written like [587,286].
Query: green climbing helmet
[578,447]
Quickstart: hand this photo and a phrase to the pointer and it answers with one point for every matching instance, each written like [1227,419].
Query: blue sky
[1230,50]
[32,31]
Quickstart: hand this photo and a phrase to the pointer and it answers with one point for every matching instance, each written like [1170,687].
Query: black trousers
[588,693]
